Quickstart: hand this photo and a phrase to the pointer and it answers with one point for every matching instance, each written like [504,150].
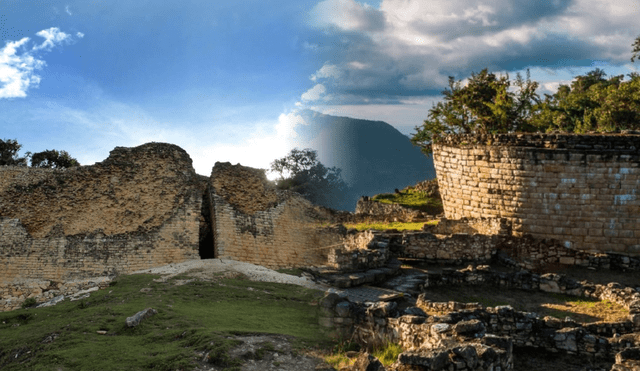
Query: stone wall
[140,208]
[628,297]
[256,223]
[578,189]
[445,340]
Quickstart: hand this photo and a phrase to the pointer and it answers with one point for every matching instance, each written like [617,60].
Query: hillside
[373,155]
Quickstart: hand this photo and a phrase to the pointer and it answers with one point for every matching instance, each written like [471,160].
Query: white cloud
[80,34]
[18,65]
[347,15]
[52,36]
[17,71]
[327,71]
[66,9]
[314,93]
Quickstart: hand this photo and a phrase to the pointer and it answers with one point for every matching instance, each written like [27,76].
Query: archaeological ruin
[518,202]
[140,208]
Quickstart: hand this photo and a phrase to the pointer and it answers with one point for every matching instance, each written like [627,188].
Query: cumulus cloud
[18,64]
[327,71]
[314,93]
[410,47]
[17,72]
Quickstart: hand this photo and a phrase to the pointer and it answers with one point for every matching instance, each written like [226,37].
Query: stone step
[332,277]
[407,282]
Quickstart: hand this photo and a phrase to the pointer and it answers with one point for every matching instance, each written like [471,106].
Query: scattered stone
[50,338]
[51,302]
[135,320]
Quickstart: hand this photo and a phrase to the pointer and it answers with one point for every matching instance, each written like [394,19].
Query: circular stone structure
[582,190]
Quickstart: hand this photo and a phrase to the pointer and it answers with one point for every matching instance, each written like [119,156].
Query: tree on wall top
[9,149]
[9,153]
[485,106]
[53,159]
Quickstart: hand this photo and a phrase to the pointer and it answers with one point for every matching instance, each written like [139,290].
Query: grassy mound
[193,317]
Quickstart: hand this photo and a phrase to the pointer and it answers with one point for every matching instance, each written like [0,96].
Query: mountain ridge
[374,156]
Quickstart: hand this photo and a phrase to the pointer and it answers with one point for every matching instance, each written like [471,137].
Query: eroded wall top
[246,188]
[134,189]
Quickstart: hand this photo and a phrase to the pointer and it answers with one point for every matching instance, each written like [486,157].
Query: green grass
[198,316]
[412,199]
[388,354]
[393,225]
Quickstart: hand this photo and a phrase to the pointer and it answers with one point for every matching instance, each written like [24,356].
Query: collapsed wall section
[578,189]
[256,223]
[139,208]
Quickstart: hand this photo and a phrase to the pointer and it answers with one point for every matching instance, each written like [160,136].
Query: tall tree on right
[636,49]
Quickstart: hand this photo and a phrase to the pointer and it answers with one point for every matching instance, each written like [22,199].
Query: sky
[224,80]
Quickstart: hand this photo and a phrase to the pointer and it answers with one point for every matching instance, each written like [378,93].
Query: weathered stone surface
[469,328]
[139,208]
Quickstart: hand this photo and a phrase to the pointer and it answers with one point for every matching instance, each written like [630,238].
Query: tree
[484,106]
[9,153]
[592,103]
[301,171]
[53,159]
[636,49]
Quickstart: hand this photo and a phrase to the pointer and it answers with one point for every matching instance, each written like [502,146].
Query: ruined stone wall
[578,189]
[256,223]
[139,208]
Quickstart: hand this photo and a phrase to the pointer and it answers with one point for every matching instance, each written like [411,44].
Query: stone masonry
[256,223]
[140,208]
[578,189]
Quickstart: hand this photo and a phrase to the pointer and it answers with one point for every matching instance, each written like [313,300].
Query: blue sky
[223,80]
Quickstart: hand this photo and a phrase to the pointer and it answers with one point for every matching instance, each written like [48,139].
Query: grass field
[193,317]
